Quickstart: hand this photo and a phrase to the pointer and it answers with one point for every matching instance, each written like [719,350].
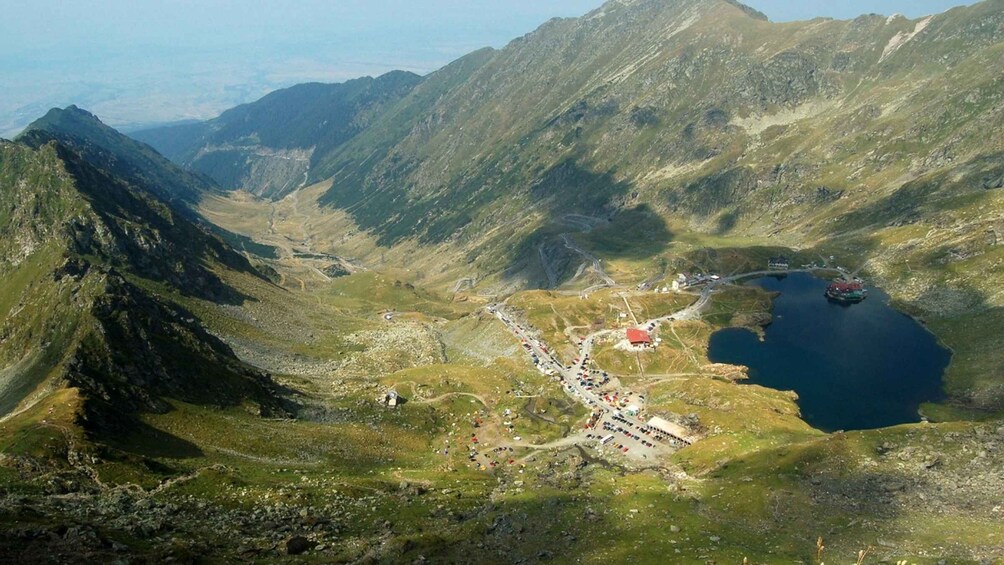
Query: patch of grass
[46,430]
[371,292]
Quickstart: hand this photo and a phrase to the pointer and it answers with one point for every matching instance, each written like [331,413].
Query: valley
[472,317]
[447,460]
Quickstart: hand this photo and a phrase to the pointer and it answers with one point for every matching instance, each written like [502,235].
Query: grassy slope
[759,453]
[753,481]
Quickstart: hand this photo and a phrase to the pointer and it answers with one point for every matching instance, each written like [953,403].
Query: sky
[137,62]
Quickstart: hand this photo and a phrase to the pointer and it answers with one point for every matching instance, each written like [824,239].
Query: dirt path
[185,478]
[265,460]
[686,348]
[566,441]
[630,311]
[417,399]
[444,396]
[653,380]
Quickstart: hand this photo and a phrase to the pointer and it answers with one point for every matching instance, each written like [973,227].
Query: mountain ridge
[83,310]
[270,145]
[135,161]
[715,121]
[473,257]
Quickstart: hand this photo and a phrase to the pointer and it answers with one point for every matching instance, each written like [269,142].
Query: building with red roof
[638,337]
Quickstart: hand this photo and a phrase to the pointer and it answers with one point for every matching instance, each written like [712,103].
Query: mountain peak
[136,162]
[64,119]
[709,5]
[751,12]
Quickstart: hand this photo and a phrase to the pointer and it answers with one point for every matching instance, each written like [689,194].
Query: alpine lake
[853,366]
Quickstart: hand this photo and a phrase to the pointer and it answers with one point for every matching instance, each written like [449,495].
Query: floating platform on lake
[846,292]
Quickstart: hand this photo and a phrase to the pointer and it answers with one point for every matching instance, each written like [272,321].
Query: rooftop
[635,336]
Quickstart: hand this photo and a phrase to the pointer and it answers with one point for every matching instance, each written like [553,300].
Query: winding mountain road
[596,266]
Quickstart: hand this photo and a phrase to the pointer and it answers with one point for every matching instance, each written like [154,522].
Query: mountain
[89,263]
[126,158]
[269,146]
[702,110]
[478,244]
[880,139]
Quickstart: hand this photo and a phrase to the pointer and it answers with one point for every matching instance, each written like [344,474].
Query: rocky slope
[88,263]
[703,110]
[268,147]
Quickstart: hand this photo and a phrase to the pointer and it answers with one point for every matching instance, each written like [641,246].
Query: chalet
[639,338]
[780,263]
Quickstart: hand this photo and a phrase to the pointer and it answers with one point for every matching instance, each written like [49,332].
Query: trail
[686,347]
[630,311]
[552,278]
[265,460]
[417,399]
[563,442]
[185,478]
[655,380]
[77,462]
[444,396]
[464,283]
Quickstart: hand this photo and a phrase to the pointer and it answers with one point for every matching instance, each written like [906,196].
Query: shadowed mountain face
[88,262]
[268,147]
[122,156]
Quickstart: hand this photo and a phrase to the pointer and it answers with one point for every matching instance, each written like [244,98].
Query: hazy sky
[135,61]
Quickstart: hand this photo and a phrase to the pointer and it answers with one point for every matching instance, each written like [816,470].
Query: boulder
[298,545]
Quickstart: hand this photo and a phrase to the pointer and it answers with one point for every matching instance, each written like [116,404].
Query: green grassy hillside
[878,137]
[161,400]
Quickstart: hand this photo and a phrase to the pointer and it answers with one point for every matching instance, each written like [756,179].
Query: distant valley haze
[136,64]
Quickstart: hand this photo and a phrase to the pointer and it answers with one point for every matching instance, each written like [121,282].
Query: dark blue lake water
[857,366]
